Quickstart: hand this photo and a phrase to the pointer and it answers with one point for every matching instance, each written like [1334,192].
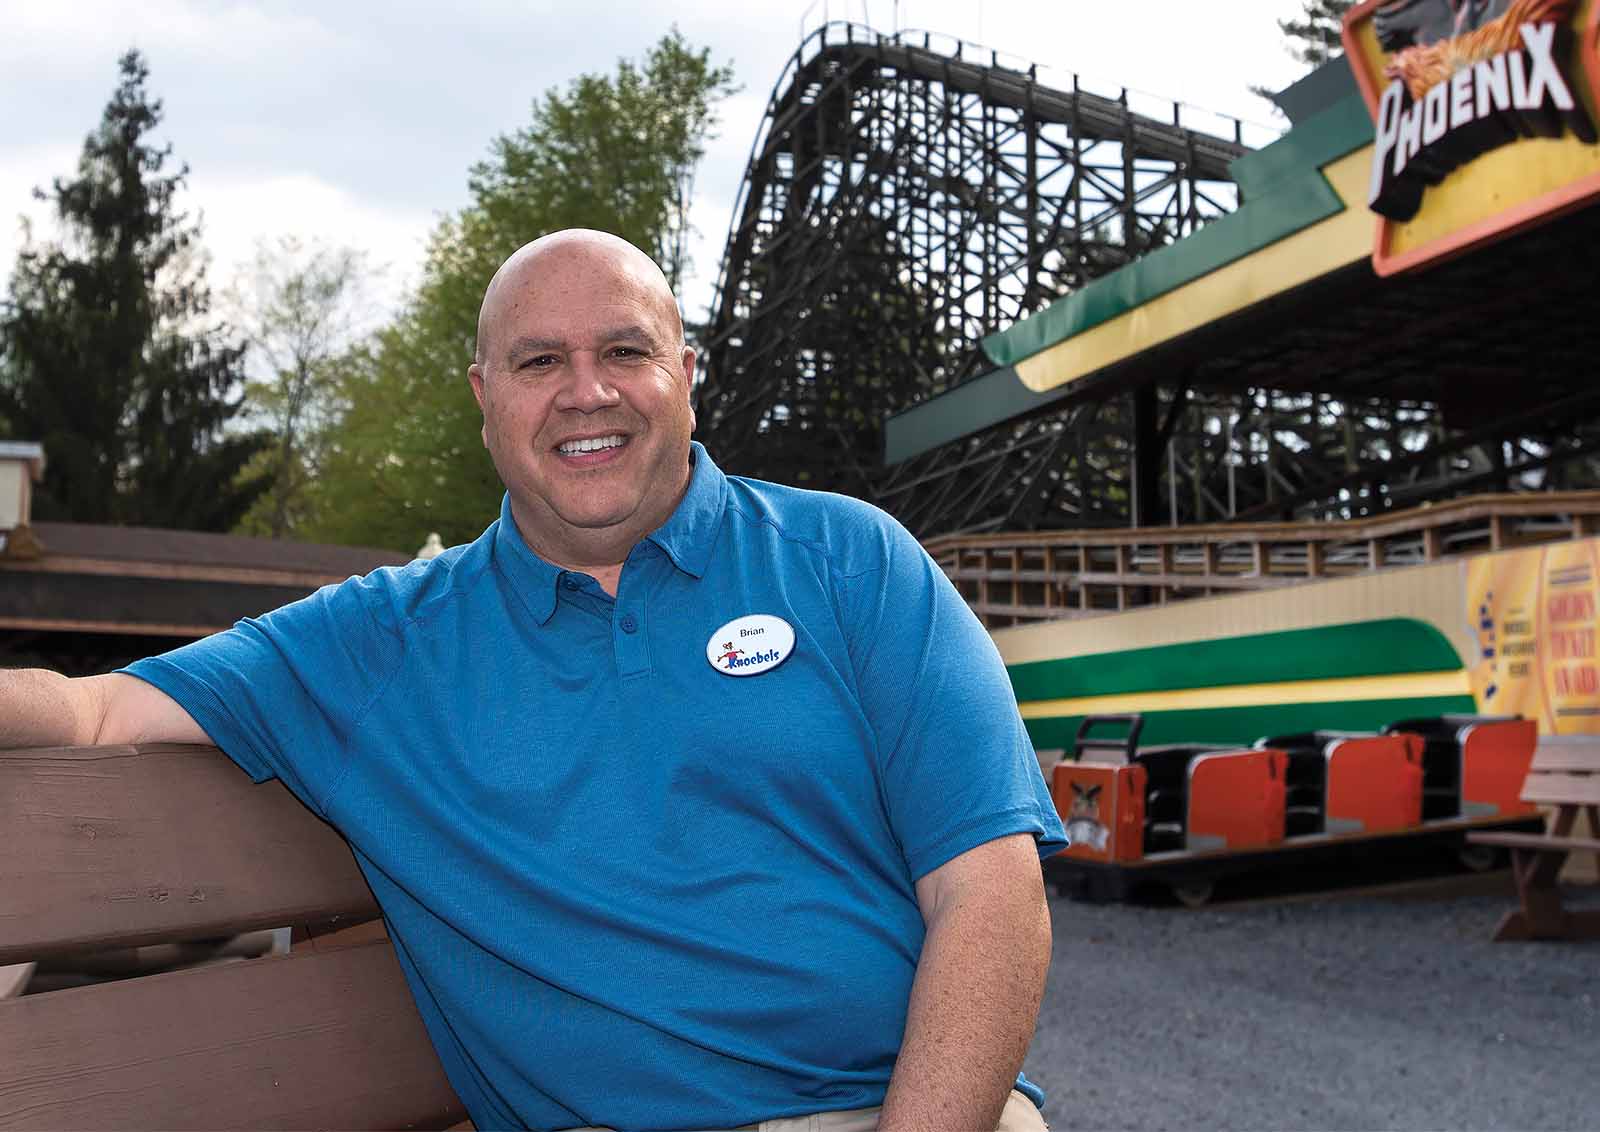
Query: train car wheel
[1194,893]
[1477,858]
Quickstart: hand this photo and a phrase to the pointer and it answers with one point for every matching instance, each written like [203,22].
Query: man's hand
[45,709]
[977,989]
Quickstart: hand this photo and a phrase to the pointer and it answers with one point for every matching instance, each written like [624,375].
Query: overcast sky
[356,121]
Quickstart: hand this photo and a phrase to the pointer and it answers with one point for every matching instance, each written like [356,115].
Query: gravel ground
[1348,1011]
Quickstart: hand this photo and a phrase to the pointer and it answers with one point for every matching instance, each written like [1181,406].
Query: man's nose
[588,387]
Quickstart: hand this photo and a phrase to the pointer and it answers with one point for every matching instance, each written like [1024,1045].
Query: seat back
[119,847]
[1236,800]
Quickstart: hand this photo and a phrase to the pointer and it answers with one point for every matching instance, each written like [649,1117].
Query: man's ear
[689,358]
[475,379]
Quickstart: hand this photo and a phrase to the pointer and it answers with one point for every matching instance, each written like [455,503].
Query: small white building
[21,466]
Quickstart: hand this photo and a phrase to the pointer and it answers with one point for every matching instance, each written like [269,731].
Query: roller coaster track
[905,197]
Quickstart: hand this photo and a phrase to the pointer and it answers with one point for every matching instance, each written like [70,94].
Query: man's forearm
[973,1007]
[44,709]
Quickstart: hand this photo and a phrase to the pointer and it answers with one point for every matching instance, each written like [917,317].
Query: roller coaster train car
[1185,815]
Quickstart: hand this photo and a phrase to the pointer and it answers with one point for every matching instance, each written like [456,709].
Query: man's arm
[977,989]
[45,709]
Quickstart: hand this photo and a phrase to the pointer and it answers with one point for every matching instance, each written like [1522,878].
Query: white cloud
[21,171]
[358,121]
[238,214]
[76,33]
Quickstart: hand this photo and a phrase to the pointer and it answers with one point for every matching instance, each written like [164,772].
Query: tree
[112,358]
[615,152]
[300,307]
[1314,37]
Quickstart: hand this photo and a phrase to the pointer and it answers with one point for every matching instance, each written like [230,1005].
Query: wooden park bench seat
[124,847]
[1564,775]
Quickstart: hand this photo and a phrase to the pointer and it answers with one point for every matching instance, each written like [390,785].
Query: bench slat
[125,846]
[1537,841]
[1579,759]
[1552,788]
[311,1040]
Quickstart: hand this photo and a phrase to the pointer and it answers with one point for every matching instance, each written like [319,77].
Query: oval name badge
[750,645]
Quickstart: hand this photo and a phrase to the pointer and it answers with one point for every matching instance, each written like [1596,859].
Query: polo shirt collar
[690,534]
[530,576]
[687,537]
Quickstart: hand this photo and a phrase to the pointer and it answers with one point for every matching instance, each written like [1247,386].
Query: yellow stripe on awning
[1327,246]
[1413,686]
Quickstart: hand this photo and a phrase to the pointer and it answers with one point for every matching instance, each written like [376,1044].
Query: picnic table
[1564,776]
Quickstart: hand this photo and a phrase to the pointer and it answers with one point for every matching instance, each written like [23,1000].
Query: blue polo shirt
[627,887]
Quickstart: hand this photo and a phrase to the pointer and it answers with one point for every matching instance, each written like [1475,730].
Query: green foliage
[615,152]
[111,357]
[300,307]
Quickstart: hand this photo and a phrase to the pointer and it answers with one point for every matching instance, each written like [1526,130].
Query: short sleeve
[282,694]
[957,765]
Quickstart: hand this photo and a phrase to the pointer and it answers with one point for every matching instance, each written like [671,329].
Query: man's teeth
[573,447]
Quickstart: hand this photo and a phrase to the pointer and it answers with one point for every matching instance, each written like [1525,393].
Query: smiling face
[583,379]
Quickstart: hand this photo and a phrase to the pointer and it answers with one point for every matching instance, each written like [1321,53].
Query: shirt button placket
[628,638]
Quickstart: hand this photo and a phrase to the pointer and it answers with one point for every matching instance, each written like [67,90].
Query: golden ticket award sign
[1533,612]
[1484,116]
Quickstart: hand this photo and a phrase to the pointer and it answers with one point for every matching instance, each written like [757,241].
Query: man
[690,801]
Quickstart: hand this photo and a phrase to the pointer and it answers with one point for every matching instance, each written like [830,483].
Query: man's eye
[539,361]
[625,351]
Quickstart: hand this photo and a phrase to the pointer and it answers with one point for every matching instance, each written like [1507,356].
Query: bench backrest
[1565,771]
[116,847]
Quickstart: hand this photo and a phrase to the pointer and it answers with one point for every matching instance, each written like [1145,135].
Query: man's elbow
[39,708]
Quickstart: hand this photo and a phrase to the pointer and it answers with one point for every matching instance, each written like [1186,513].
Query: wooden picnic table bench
[1564,775]
[128,847]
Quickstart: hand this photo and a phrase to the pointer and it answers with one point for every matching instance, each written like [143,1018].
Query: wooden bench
[127,847]
[1564,775]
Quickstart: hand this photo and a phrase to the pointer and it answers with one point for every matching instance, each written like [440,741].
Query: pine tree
[111,357]
[1315,36]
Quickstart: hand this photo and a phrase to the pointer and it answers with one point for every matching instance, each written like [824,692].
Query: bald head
[585,385]
[582,249]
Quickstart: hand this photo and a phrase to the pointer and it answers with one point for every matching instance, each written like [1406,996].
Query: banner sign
[1484,118]
[1534,615]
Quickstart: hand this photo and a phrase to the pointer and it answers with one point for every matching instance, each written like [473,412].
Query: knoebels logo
[735,658]
[1465,77]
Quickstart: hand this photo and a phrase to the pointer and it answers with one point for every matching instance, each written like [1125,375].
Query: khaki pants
[1019,1115]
